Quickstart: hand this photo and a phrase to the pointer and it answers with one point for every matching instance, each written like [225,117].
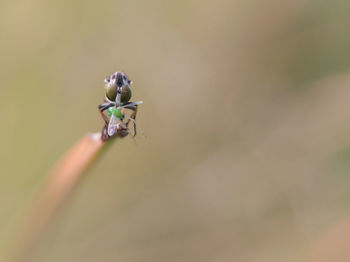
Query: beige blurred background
[246,115]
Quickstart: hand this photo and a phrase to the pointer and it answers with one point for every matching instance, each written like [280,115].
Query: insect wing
[112,125]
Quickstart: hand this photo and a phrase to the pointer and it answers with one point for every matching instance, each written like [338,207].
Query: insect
[117,113]
[118,94]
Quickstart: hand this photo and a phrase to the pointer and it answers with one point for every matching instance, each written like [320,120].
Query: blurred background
[246,115]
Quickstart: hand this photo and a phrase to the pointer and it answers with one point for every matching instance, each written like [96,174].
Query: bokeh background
[246,116]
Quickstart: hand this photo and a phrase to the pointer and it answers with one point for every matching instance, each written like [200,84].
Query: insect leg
[132,117]
[103,107]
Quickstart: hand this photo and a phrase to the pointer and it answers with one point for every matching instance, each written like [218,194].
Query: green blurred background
[246,115]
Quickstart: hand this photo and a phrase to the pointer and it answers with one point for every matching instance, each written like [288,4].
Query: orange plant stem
[63,178]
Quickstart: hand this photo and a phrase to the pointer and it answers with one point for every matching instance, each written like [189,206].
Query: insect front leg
[102,108]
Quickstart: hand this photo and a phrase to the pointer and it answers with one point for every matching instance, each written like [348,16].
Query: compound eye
[111,91]
[126,94]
